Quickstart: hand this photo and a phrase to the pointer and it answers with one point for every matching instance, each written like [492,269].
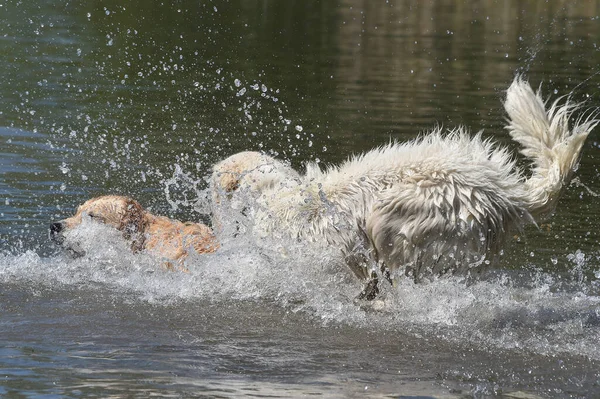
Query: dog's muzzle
[56,230]
[56,235]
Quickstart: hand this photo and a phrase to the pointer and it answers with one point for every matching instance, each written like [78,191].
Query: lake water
[141,98]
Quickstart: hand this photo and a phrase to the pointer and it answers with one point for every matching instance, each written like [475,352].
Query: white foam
[536,312]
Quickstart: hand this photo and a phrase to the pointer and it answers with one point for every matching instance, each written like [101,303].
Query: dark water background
[141,98]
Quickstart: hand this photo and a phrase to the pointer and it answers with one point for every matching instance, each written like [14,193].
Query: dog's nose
[56,228]
[56,232]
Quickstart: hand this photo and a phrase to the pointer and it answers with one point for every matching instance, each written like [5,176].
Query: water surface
[141,99]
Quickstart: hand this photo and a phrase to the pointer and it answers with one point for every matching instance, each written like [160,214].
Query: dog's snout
[56,228]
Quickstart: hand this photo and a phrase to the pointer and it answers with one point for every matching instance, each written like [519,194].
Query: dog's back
[172,239]
[449,210]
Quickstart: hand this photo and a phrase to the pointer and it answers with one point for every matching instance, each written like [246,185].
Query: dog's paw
[371,290]
[374,305]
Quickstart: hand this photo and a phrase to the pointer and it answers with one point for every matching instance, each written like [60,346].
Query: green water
[141,97]
[125,93]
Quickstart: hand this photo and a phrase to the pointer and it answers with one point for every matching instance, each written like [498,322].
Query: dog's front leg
[371,290]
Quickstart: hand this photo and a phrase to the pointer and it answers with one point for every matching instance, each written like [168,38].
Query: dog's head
[251,171]
[122,213]
[239,180]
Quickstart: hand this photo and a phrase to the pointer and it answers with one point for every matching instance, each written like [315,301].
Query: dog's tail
[547,141]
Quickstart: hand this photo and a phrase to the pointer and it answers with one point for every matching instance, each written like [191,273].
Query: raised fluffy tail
[547,140]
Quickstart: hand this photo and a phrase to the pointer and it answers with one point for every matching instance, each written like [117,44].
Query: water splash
[533,311]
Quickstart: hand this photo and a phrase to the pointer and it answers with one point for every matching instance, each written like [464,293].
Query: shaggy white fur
[444,202]
[238,180]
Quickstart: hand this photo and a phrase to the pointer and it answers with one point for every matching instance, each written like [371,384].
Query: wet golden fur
[160,236]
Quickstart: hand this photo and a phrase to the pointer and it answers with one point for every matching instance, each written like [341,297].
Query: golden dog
[159,235]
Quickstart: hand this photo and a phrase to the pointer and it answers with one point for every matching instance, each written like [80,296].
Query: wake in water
[527,310]
[532,311]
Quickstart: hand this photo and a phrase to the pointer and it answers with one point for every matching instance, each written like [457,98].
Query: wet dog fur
[160,236]
[443,203]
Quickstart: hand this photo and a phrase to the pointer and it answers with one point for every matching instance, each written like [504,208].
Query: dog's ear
[133,224]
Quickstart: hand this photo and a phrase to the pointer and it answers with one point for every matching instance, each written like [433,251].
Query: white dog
[441,203]
[239,179]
